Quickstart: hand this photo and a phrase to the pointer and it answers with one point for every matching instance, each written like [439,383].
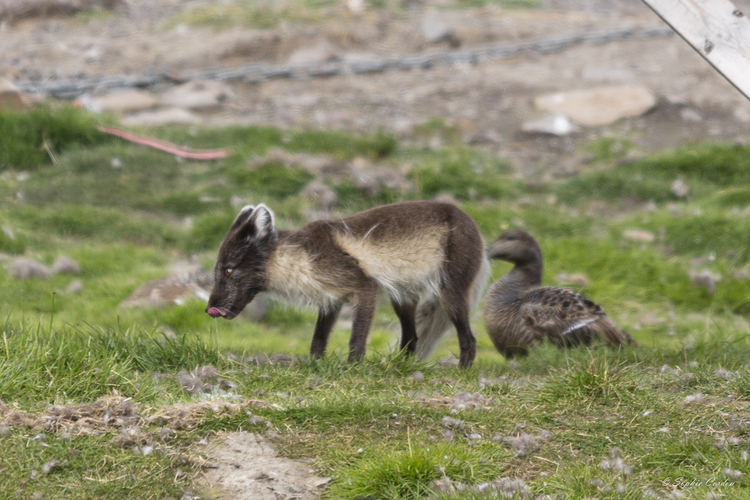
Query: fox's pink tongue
[215,312]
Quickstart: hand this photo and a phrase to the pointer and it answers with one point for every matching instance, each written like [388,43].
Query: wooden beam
[717,30]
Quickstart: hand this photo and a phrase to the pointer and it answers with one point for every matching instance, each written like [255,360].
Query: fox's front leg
[364,303]
[324,325]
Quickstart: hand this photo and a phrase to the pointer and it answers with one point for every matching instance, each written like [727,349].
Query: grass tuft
[25,136]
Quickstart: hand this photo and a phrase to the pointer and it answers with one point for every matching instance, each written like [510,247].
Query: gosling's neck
[519,279]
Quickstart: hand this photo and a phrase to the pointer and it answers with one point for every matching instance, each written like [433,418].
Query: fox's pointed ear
[254,222]
[243,216]
[262,219]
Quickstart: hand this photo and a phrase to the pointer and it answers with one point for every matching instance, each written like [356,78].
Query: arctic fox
[429,257]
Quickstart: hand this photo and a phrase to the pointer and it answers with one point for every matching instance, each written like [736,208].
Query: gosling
[519,313]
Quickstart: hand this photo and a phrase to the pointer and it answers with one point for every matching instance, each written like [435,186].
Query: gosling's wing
[564,315]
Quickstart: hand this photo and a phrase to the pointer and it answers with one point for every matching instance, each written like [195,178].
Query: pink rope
[195,154]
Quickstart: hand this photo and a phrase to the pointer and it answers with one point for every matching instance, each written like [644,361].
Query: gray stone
[599,106]
[24,269]
[320,53]
[680,189]
[321,194]
[74,288]
[126,101]
[199,95]
[690,115]
[550,125]
[435,31]
[65,265]
[706,280]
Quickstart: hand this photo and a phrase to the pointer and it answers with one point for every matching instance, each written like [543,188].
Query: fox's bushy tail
[432,322]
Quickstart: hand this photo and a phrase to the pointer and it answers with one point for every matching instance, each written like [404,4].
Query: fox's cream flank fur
[427,256]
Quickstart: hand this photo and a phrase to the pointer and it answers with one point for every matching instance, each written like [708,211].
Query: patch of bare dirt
[244,466]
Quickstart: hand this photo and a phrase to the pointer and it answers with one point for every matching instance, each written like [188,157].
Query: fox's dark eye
[228,271]
[510,238]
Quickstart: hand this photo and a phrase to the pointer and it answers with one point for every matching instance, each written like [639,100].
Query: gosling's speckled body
[518,312]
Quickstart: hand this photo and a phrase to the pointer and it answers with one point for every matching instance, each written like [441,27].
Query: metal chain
[71,88]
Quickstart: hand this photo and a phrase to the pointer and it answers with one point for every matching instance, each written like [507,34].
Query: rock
[161,117]
[75,287]
[65,265]
[199,95]
[690,115]
[558,125]
[402,126]
[321,194]
[249,468]
[599,106]
[639,235]
[93,55]
[355,6]
[11,96]
[435,31]
[706,280]
[125,101]
[320,53]
[172,290]
[680,189]
[24,269]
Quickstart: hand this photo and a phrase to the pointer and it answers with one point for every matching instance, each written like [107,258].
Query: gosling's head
[515,246]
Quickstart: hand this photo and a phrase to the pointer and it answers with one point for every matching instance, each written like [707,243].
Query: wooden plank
[717,30]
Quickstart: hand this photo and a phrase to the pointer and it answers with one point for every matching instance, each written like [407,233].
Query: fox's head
[240,271]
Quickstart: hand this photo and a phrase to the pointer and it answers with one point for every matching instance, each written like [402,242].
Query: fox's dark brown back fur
[413,250]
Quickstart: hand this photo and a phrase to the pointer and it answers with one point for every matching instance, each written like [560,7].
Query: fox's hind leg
[462,269]
[457,308]
[406,313]
[324,325]
[364,302]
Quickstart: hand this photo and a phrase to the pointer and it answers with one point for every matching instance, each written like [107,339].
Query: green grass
[125,213]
